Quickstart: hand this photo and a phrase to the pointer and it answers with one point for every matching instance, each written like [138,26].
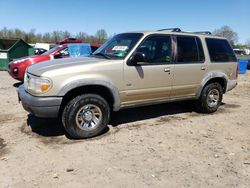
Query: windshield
[51,50]
[118,46]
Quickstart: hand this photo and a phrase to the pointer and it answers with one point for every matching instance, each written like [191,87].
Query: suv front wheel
[210,98]
[86,116]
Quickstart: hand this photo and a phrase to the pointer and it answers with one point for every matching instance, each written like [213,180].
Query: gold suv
[130,69]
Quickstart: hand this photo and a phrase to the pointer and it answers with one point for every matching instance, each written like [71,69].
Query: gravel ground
[166,145]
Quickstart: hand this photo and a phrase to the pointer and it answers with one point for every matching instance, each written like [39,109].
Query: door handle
[203,68]
[167,70]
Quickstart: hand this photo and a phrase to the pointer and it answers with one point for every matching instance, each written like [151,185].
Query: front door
[150,80]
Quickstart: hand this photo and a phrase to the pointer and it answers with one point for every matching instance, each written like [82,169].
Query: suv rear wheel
[210,98]
[86,116]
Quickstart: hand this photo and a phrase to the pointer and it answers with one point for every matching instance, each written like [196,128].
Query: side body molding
[85,82]
[210,76]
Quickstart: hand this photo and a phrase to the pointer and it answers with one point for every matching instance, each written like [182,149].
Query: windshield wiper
[102,54]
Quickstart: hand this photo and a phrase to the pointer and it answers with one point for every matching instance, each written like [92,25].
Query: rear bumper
[39,106]
[231,84]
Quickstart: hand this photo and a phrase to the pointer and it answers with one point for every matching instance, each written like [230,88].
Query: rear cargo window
[220,50]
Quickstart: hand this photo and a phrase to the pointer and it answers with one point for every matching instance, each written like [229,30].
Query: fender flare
[208,77]
[85,82]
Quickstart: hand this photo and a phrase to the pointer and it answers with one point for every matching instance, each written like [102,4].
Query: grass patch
[243,56]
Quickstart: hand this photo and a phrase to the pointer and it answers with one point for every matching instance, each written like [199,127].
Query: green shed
[12,49]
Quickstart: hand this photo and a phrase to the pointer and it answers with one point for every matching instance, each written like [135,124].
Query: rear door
[190,66]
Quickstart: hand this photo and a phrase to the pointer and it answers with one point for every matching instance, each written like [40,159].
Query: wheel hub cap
[213,98]
[88,117]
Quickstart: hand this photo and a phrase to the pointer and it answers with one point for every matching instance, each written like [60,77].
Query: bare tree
[82,35]
[32,38]
[248,43]
[227,32]
[52,37]
[101,36]
[46,37]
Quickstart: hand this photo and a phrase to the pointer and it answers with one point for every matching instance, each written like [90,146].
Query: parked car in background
[17,67]
[45,46]
[39,51]
[239,51]
[70,40]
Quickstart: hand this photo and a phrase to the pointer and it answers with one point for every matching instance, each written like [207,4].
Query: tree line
[52,37]
[100,36]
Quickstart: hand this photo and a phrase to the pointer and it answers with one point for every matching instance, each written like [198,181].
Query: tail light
[237,69]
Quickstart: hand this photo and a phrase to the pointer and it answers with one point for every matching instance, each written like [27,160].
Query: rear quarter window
[220,50]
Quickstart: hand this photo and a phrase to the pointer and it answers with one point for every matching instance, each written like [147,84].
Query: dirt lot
[166,145]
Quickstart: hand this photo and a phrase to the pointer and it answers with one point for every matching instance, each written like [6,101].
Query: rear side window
[220,50]
[189,50]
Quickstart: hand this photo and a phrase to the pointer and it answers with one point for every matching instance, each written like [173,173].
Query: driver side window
[156,49]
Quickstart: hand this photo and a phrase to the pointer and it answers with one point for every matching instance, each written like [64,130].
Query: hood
[39,68]
[34,58]
[18,60]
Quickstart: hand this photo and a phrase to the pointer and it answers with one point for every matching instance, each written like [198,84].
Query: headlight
[35,84]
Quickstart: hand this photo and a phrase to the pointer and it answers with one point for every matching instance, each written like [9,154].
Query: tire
[86,116]
[210,98]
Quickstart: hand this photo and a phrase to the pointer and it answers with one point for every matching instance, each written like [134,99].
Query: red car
[70,40]
[17,67]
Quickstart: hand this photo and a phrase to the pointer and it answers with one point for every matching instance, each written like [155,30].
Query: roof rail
[171,29]
[179,30]
[203,32]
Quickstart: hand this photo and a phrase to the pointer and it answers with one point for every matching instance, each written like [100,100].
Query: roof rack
[179,30]
[203,32]
[171,29]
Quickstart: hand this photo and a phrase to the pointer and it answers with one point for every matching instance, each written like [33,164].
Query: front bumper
[16,72]
[39,106]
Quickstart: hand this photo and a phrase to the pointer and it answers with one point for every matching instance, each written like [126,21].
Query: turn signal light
[44,87]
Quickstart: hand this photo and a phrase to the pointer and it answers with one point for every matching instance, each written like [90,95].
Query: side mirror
[138,57]
[57,55]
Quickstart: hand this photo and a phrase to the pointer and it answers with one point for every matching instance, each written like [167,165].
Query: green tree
[240,46]
[227,32]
